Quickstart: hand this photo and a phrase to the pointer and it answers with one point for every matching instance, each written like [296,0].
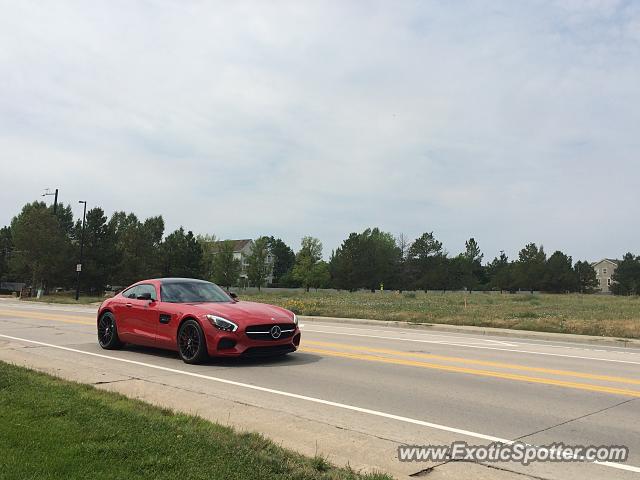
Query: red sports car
[197,319]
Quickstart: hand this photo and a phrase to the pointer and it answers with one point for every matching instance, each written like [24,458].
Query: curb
[443,327]
[498,332]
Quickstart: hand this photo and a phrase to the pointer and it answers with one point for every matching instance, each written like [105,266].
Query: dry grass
[66,299]
[579,314]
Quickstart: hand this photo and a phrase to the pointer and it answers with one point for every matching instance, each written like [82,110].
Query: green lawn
[581,314]
[54,429]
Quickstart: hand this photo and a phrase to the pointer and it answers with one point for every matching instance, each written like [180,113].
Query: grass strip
[52,429]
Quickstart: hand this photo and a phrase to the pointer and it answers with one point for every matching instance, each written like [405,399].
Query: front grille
[269,351]
[263,332]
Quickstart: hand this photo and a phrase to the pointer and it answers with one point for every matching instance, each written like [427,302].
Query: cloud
[510,123]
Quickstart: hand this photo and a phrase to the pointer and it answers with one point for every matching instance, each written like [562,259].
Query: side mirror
[233,295]
[144,296]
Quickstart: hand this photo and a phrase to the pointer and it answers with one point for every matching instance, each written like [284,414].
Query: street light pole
[55,198]
[79,266]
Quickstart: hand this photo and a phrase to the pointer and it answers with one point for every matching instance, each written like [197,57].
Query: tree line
[373,258]
[41,248]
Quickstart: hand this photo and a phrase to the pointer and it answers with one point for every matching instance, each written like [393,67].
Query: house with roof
[241,251]
[604,273]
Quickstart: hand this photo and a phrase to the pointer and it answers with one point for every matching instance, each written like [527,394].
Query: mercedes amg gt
[197,319]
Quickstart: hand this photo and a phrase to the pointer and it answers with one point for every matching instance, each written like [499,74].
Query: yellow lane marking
[42,316]
[510,366]
[397,361]
[473,371]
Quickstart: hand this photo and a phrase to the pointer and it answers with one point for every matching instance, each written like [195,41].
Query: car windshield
[192,292]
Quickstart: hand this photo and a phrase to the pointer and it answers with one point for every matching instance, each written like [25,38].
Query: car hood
[246,313]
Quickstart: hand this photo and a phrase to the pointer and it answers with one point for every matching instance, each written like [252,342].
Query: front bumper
[236,344]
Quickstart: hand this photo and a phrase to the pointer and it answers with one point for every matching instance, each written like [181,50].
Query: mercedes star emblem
[276,331]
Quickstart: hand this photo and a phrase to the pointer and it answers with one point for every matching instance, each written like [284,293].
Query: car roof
[180,280]
[166,280]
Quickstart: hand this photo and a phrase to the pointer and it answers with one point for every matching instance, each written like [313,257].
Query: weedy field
[572,313]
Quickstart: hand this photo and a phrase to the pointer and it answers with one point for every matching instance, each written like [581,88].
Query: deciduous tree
[138,246]
[41,248]
[308,256]
[181,255]
[226,268]
[208,245]
[283,259]
[258,269]
[320,276]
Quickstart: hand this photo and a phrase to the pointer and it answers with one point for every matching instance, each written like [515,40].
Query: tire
[108,332]
[192,345]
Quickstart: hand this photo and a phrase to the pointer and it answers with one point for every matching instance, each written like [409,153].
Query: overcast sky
[510,121]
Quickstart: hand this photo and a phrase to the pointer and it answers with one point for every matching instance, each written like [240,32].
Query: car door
[122,311]
[169,315]
[140,315]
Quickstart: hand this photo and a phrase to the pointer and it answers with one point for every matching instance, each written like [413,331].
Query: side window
[141,289]
[130,292]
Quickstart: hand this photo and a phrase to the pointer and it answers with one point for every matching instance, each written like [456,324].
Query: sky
[511,122]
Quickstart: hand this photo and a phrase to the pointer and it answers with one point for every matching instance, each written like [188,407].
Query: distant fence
[11,286]
[333,290]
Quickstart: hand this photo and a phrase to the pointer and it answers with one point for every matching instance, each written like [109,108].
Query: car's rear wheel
[108,332]
[191,342]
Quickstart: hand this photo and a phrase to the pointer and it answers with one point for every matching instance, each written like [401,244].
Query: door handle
[128,305]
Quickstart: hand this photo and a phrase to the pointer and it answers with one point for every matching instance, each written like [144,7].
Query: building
[604,272]
[241,251]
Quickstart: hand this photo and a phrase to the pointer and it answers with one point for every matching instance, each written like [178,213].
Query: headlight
[222,323]
[295,319]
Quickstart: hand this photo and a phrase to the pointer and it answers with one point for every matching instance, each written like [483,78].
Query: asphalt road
[356,392]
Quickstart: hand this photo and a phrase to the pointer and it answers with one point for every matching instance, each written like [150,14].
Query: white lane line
[484,347]
[78,311]
[306,398]
[399,331]
[84,310]
[516,342]
[500,342]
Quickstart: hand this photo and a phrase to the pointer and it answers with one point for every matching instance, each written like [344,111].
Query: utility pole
[55,198]
[79,266]
[578,264]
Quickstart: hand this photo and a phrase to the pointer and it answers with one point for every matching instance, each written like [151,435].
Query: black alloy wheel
[191,342]
[108,332]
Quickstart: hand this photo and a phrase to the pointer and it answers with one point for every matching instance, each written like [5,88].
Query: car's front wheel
[108,332]
[191,342]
